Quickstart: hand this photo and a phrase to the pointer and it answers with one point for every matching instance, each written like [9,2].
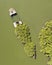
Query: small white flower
[20,22]
[12,11]
[15,25]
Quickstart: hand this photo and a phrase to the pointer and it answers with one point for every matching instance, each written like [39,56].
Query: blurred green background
[34,13]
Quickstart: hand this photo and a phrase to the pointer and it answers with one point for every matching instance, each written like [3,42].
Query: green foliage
[29,49]
[45,38]
[23,33]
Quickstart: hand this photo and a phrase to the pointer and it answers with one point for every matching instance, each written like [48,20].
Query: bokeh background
[32,12]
